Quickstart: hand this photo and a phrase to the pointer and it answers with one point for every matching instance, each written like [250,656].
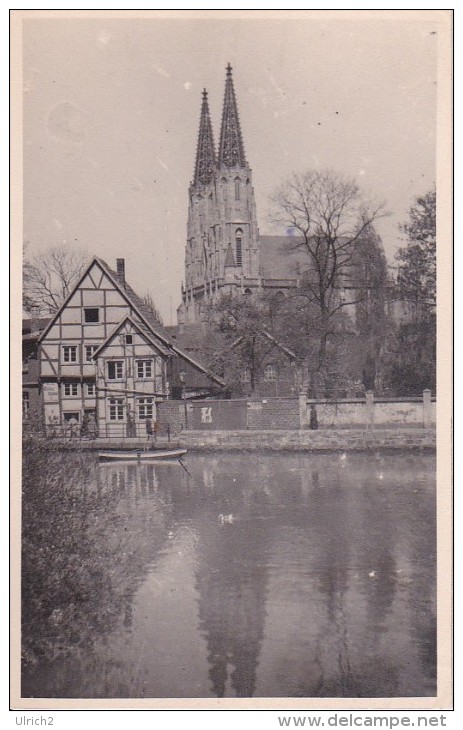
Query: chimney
[120,263]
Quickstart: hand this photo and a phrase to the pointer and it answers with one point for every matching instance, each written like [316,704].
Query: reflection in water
[231,581]
[323,585]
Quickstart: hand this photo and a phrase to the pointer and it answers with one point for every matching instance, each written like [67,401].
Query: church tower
[222,250]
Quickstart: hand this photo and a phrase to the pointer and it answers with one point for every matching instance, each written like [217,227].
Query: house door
[89,422]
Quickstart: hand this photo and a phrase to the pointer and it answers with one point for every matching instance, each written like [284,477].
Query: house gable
[140,339]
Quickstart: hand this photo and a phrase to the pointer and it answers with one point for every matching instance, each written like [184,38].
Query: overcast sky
[111,113]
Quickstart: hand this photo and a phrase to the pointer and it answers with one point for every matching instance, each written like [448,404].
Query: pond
[308,575]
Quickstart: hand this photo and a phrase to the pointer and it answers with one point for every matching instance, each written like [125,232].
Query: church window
[239,247]
[237,188]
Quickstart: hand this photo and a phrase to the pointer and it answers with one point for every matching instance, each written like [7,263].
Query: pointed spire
[229,259]
[231,149]
[205,153]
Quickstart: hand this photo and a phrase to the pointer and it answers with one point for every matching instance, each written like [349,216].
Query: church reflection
[233,534]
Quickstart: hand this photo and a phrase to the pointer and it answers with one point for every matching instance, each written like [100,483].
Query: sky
[111,112]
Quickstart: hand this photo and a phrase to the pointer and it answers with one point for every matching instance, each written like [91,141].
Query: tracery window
[239,247]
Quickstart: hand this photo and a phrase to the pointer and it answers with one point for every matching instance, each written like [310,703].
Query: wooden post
[426,408]
[370,408]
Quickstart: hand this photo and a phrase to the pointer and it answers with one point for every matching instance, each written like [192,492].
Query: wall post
[370,408]
[426,408]
[303,414]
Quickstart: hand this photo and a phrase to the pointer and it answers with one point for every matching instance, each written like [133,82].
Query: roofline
[285,349]
[69,296]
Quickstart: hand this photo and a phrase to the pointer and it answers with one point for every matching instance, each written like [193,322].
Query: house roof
[34,325]
[290,353]
[144,313]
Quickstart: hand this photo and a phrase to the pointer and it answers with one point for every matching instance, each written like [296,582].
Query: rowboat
[140,455]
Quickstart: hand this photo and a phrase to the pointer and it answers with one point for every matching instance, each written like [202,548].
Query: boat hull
[161,455]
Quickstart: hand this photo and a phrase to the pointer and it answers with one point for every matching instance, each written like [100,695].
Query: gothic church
[224,252]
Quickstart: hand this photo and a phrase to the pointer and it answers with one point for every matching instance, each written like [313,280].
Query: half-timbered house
[103,350]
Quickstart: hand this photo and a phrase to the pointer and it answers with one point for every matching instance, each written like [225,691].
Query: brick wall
[280,413]
[289,414]
[171,413]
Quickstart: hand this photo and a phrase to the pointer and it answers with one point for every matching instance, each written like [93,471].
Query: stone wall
[347,413]
[304,440]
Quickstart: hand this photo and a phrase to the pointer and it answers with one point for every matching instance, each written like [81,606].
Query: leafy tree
[413,358]
[330,220]
[416,260]
[49,277]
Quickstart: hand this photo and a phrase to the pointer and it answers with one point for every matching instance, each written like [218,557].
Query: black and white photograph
[235,368]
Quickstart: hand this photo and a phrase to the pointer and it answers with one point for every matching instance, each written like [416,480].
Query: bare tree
[49,277]
[329,220]
[238,334]
[148,302]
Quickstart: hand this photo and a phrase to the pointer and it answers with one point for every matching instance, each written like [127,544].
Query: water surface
[321,585]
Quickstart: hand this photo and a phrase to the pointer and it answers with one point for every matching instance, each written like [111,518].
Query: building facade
[224,251]
[104,360]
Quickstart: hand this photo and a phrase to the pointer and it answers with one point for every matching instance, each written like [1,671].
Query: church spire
[231,149]
[205,153]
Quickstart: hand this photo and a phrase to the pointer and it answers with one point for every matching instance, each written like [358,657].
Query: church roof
[231,148]
[279,259]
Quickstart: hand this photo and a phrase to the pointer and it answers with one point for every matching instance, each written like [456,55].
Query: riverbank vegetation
[75,566]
